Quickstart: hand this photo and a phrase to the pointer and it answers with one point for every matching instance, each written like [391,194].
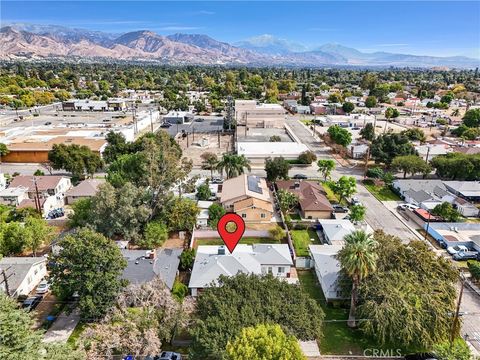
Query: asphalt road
[377,215]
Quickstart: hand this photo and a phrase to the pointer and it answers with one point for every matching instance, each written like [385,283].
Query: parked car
[340,209]
[355,201]
[421,356]
[165,125]
[56,213]
[456,249]
[466,255]
[165,355]
[217,180]
[32,302]
[300,177]
[407,206]
[43,287]
[48,123]
[199,119]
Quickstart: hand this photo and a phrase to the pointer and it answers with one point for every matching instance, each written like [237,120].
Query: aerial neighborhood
[359,190]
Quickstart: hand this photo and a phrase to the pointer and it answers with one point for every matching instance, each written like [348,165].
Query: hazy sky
[431,28]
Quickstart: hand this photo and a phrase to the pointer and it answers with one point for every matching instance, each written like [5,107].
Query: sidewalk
[62,328]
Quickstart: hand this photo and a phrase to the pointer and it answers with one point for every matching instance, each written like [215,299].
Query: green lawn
[337,337]
[245,240]
[72,340]
[382,193]
[330,194]
[301,240]
[294,216]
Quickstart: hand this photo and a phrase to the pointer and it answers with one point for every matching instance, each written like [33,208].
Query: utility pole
[38,204]
[151,121]
[218,133]
[246,123]
[457,311]
[193,133]
[5,279]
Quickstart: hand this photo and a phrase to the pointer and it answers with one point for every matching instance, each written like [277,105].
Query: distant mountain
[26,41]
[269,44]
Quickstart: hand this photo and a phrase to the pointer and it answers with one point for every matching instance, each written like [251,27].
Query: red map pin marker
[231,239]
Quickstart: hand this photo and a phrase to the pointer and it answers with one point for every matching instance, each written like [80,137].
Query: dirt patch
[173,242]
[45,308]
[194,146]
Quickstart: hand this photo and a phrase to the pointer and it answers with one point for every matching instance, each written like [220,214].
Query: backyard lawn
[301,240]
[245,240]
[337,337]
[382,193]
[330,194]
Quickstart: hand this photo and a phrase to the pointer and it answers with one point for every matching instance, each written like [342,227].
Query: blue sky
[438,28]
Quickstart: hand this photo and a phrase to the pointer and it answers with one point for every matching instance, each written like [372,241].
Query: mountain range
[29,41]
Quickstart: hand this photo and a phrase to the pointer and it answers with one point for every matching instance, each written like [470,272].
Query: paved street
[470,307]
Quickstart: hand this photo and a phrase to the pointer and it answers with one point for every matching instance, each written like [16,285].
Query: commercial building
[178,117]
[94,105]
[251,114]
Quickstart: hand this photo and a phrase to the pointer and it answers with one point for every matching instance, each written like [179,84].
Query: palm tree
[456,112]
[233,165]
[210,162]
[358,259]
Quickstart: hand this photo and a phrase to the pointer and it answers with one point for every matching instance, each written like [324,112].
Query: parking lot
[209,124]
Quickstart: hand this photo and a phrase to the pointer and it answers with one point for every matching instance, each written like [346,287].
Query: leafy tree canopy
[276,168]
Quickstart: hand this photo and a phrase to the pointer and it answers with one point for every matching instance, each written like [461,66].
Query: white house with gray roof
[327,268]
[24,274]
[334,230]
[213,261]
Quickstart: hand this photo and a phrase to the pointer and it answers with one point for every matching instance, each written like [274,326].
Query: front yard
[301,240]
[245,240]
[382,193]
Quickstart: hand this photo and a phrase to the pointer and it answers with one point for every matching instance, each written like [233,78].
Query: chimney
[221,250]
[296,185]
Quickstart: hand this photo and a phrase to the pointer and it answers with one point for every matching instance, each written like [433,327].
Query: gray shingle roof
[18,269]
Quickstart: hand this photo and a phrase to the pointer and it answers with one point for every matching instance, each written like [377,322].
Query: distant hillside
[27,41]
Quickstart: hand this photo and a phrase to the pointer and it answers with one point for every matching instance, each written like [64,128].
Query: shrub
[307,157]
[300,227]
[376,173]
[277,233]
[179,290]
[186,259]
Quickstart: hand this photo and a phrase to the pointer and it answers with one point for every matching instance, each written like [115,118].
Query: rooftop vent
[221,250]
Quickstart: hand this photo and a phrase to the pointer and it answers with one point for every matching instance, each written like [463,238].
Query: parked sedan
[217,180]
[32,302]
[300,177]
[466,255]
[452,250]
[340,209]
[43,287]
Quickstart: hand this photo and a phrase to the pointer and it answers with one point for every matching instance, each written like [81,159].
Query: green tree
[458,351]
[215,212]
[391,113]
[3,150]
[116,145]
[276,168]
[14,238]
[410,164]
[187,258]
[307,157]
[474,268]
[472,118]
[340,135]
[277,233]
[209,162]
[357,213]
[388,146]
[256,300]
[457,166]
[82,213]
[233,165]
[447,212]
[411,297]
[287,200]
[415,134]
[89,265]
[358,259]
[371,102]
[155,235]
[264,342]
[19,342]
[76,159]
[180,214]
[38,233]
[128,168]
[334,98]
[204,192]
[348,107]
[368,132]
[345,187]
[325,167]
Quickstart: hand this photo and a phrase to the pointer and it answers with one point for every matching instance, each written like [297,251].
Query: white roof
[13,191]
[209,265]
[203,214]
[336,229]
[327,266]
[202,204]
[270,148]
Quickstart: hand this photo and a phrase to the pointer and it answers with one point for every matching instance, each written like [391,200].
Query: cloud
[204,12]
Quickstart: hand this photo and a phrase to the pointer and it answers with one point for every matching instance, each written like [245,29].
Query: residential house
[13,196]
[249,197]
[143,266]
[290,104]
[3,181]
[24,274]
[312,202]
[334,230]
[85,189]
[302,109]
[213,261]
[465,208]
[357,151]
[468,190]
[202,217]
[318,108]
[327,268]
[428,152]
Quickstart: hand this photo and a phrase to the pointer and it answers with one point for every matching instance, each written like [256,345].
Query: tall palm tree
[233,165]
[358,259]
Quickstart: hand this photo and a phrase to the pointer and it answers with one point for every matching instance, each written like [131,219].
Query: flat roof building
[251,114]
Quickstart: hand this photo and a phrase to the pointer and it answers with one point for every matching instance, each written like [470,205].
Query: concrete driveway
[62,328]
